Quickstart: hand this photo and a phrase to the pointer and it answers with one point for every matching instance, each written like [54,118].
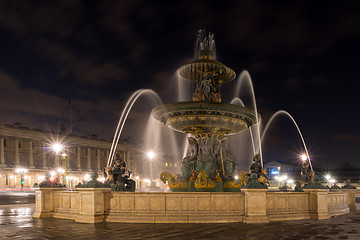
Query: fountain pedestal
[255,206]
[319,208]
[45,204]
[92,205]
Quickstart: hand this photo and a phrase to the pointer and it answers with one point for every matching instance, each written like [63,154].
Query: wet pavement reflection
[16,222]
[16,197]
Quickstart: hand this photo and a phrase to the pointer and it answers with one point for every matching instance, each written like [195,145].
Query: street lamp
[21,171]
[57,147]
[303,157]
[151,155]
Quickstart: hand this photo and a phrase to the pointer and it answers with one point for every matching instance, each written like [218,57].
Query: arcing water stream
[124,116]
[282,112]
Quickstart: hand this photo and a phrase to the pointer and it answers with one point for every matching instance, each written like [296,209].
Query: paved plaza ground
[16,222]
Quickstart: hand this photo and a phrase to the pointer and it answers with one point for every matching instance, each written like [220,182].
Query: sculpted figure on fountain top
[207,90]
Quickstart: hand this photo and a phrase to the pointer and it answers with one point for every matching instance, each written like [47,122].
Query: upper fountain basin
[195,70]
[205,118]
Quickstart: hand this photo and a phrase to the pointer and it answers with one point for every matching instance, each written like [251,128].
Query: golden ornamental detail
[172,181]
[203,181]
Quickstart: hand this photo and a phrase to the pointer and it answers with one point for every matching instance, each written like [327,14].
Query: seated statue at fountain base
[115,176]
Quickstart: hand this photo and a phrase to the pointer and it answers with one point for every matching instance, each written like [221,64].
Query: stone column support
[98,153]
[43,156]
[57,162]
[319,207]
[78,157]
[45,202]
[89,158]
[2,154]
[92,205]
[68,156]
[17,156]
[255,206]
[31,155]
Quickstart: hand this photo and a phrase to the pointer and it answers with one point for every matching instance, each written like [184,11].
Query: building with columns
[31,149]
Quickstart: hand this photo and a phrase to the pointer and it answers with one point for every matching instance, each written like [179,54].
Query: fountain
[207,191]
[209,165]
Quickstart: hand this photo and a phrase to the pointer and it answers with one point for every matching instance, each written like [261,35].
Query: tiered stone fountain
[206,192]
[208,165]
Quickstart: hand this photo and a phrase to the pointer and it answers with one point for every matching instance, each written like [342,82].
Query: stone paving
[16,222]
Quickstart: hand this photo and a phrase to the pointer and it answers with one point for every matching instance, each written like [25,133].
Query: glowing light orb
[150,154]
[57,147]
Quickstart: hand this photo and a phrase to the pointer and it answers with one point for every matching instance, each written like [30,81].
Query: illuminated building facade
[31,149]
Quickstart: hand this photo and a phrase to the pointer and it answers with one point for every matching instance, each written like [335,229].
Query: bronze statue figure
[115,176]
[307,174]
[189,162]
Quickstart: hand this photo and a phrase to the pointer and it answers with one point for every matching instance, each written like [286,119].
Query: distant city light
[281,178]
[236,177]
[21,170]
[87,177]
[150,155]
[332,181]
[101,179]
[327,177]
[57,147]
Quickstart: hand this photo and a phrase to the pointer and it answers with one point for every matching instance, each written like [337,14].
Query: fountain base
[250,205]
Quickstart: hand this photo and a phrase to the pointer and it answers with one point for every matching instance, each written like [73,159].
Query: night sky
[303,57]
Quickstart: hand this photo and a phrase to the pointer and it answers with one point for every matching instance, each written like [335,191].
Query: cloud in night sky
[302,57]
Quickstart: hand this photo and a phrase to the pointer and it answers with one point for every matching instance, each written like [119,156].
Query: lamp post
[151,155]
[64,167]
[57,148]
[21,171]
